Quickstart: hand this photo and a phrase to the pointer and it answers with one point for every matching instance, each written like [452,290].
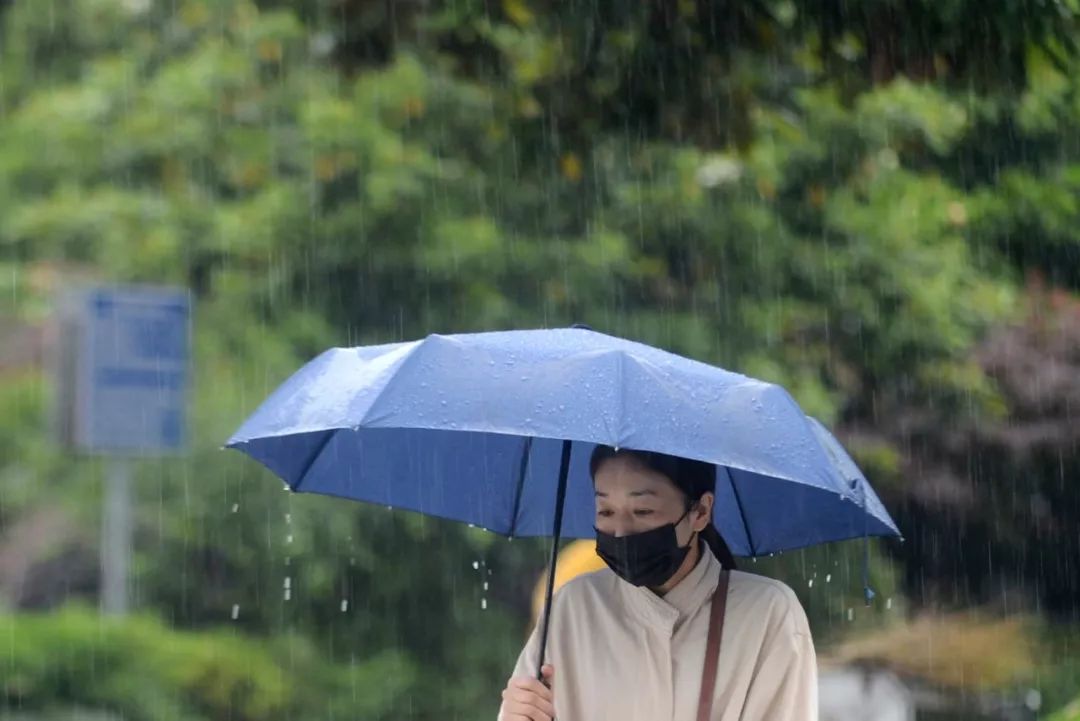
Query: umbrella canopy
[472,427]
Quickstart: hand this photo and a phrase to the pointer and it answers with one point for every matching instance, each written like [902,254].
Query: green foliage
[1068,713]
[139,668]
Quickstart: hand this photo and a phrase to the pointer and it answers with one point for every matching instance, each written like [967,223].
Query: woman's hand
[526,699]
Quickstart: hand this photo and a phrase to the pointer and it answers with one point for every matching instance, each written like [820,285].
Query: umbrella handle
[560,498]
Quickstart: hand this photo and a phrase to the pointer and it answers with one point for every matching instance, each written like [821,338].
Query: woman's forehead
[625,475]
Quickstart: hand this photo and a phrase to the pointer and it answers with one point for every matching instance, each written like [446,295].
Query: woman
[628,643]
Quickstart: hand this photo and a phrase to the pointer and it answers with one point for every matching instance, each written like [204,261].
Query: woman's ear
[703,512]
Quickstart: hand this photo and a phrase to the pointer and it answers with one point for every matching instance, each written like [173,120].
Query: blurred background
[876,204]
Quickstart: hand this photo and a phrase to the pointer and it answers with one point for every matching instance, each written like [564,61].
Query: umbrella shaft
[560,498]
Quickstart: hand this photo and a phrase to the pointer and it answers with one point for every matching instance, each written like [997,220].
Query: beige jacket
[622,653]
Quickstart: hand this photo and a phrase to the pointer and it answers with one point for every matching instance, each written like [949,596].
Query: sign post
[116,538]
[123,380]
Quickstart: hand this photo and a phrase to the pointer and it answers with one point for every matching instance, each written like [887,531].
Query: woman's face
[631,498]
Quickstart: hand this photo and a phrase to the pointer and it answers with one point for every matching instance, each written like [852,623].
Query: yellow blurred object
[194,14]
[414,107]
[577,558]
[270,51]
[958,214]
[325,167]
[570,164]
[518,11]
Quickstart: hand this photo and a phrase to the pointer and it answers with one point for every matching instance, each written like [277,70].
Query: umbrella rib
[314,457]
[621,420]
[742,512]
[525,453]
[393,375]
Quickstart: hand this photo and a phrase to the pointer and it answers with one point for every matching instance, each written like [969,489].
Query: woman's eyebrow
[632,494]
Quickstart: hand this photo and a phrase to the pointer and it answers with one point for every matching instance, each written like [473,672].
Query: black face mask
[649,558]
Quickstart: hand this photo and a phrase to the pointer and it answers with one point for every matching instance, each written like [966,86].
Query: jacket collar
[667,613]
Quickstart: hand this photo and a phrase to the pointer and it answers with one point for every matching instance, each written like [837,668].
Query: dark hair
[693,478]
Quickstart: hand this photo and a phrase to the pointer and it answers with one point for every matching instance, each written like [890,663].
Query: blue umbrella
[496,430]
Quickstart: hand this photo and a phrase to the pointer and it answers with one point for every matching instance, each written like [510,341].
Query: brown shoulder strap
[712,647]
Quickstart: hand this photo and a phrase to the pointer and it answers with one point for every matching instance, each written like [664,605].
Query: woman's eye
[643,512]
[603,514]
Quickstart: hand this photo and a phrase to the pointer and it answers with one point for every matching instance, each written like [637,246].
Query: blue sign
[133,370]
